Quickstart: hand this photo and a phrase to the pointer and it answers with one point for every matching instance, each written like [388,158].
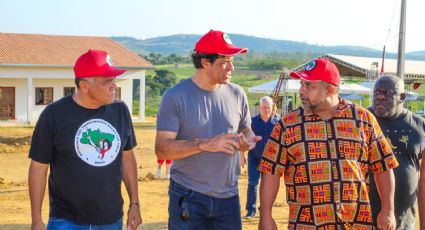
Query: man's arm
[421,194]
[129,171]
[167,147]
[37,177]
[385,183]
[269,187]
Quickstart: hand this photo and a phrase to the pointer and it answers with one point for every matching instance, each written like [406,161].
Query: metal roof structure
[293,86]
[365,68]
[361,69]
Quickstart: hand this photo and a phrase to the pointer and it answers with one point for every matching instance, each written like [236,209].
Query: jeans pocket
[179,190]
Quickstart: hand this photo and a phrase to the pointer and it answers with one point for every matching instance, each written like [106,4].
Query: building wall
[126,85]
[58,78]
[57,85]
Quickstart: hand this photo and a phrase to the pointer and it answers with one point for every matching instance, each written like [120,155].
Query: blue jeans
[189,210]
[253,179]
[64,224]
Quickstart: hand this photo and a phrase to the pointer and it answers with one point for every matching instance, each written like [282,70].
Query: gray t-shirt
[406,136]
[194,113]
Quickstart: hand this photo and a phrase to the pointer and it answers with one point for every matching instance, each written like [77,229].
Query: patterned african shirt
[325,164]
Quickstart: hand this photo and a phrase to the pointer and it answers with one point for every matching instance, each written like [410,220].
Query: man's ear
[402,97]
[205,62]
[331,90]
[84,84]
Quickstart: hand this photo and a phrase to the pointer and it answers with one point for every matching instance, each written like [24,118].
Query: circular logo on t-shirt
[97,142]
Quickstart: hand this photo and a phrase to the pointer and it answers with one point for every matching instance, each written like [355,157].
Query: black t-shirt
[405,135]
[84,149]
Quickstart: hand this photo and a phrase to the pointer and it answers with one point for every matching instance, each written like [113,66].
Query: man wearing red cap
[203,122]
[87,139]
[324,150]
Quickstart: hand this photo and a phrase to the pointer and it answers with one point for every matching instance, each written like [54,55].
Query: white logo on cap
[310,65]
[109,60]
[227,39]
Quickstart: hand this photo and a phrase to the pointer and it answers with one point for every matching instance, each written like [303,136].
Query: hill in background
[184,43]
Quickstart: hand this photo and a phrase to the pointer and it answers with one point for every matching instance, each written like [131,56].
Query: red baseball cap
[320,69]
[217,42]
[95,63]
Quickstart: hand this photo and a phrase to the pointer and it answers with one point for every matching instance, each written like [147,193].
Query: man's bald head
[388,96]
[397,82]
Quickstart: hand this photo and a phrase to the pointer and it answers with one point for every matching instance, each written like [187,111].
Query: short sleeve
[168,114]
[275,156]
[131,138]
[42,149]
[246,116]
[381,156]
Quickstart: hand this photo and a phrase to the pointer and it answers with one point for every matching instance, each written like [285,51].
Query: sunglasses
[185,211]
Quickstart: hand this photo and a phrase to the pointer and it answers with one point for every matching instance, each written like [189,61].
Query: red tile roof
[57,50]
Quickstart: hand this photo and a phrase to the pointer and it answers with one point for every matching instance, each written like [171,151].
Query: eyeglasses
[388,93]
[185,211]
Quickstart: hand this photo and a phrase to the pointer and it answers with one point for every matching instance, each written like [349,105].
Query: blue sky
[370,23]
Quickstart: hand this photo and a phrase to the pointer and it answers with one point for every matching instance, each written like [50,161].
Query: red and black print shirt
[325,164]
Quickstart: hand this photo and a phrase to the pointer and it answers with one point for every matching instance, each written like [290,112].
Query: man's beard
[312,108]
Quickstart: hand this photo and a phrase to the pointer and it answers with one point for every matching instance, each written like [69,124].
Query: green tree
[165,79]
[162,80]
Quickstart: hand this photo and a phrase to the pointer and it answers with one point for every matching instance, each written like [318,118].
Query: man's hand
[134,218]
[246,144]
[386,220]
[267,223]
[226,143]
[38,225]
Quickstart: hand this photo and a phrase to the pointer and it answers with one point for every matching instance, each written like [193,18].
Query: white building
[36,70]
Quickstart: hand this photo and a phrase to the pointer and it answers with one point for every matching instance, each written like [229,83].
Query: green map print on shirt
[102,142]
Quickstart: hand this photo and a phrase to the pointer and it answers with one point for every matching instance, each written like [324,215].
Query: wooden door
[7,103]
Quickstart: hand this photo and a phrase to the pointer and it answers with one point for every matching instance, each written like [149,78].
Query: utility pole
[401,40]
[383,62]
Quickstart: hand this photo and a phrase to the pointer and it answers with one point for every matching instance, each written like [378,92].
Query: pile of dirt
[4,184]
[15,140]
[18,184]
[14,144]
[149,177]
[14,148]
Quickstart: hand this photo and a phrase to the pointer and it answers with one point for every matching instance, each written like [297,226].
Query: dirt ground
[14,200]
